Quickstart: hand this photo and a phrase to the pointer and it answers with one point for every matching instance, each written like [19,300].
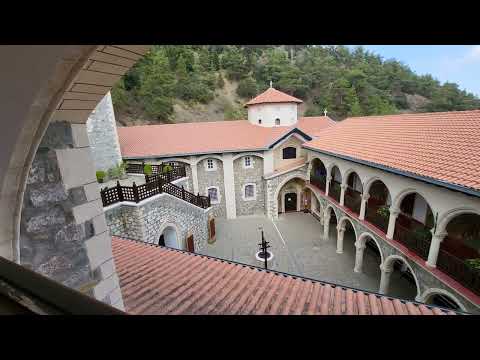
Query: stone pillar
[359,257]
[63,232]
[391,222]
[363,207]
[268,162]
[343,187]
[340,234]
[435,248]
[385,279]
[309,169]
[193,168]
[327,187]
[326,226]
[229,182]
[102,135]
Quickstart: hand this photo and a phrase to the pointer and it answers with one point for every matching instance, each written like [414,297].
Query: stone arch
[346,218]
[368,183]
[363,238]
[170,225]
[347,173]
[211,156]
[247,154]
[279,187]
[450,215]
[397,201]
[388,264]
[326,211]
[427,294]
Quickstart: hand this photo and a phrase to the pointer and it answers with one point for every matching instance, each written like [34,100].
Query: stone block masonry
[146,220]
[62,232]
[213,178]
[245,176]
[102,135]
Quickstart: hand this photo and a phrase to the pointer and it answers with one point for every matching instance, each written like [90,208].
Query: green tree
[247,88]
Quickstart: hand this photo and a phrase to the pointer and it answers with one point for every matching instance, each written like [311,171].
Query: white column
[391,222]
[385,279]
[363,207]
[327,188]
[267,162]
[228,180]
[434,248]
[343,187]
[193,168]
[299,197]
[326,226]
[359,257]
[340,233]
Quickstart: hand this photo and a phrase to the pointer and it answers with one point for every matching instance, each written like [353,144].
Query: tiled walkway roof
[207,137]
[272,95]
[443,146]
[157,280]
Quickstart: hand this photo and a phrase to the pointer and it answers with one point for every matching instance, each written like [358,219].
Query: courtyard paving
[298,248]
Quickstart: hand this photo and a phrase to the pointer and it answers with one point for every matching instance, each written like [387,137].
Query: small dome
[272,95]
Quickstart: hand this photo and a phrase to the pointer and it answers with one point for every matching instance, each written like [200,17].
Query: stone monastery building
[406,185]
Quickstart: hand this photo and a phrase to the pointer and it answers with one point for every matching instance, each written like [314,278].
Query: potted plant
[100,176]
[147,169]
[167,168]
[473,263]
[383,211]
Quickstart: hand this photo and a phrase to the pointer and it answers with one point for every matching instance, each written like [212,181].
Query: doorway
[290,202]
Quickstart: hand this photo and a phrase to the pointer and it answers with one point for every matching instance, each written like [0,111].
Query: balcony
[353,200]
[320,181]
[373,216]
[459,270]
[413,234]
[334,191]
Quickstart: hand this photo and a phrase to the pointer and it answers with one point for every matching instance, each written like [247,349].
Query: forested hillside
[211,82]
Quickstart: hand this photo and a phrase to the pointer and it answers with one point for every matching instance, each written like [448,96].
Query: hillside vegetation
[212,82]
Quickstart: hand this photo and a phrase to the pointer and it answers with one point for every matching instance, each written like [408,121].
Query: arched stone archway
[342,226]
[335,183]
[410,289]
[273,191]
[428,298]
[318,174]
[329,219]
[352,198]
[378,205]
[169,235]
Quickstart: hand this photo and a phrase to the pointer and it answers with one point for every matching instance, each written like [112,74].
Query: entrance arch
[292,184]
[443,298]
[169,237]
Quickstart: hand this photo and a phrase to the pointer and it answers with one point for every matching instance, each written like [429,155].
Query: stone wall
[145,221]
[245,176]
[102,135]
[212,178]
[63,233]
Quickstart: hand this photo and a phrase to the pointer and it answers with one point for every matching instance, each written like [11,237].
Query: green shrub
[147,169]
[100,176]
[473,263]
[383,211]
[167,168]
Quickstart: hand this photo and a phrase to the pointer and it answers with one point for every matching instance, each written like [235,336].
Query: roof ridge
[413,114]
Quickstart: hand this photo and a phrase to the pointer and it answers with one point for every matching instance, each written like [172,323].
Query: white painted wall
[228,179]
[420,209]
[286,112]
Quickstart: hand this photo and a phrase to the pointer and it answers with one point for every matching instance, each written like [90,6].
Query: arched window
[259,121]
[277,122]
[290,153]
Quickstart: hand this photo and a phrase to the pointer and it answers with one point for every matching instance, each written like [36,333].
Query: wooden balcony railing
[457,269]
[319,181]
[353,200]
[334,191]
[136,193]
[415,238]
[136,168]
[372,216]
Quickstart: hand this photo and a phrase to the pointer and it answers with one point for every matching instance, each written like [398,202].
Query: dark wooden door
[190,244]
[212,228]
[161,241]
[290,202]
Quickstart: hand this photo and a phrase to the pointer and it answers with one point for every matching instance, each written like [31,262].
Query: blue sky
[453,63]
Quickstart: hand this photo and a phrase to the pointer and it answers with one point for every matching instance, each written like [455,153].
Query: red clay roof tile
[158,280]
[443,146]
[272,95]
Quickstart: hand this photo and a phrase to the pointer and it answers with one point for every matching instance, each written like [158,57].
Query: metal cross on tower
[325,111]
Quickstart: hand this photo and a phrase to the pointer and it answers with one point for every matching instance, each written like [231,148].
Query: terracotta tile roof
[206,137]
[158,280]
[272,95]
[443,146]
[292,165]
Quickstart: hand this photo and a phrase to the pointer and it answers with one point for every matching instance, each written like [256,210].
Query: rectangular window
[249,191]
[213,193]
[209,163]
[248,161]
[289,153]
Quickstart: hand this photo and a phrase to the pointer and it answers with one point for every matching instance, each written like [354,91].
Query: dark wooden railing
[175,173]
[372,216]
[413,238]
[353,200]
[457,269]
[334,191]
[319,181]
[138,168]
[138,193]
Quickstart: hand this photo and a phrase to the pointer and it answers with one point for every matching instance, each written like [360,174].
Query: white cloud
[473,55]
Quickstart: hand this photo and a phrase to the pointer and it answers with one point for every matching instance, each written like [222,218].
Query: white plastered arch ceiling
[40,83]
[177,242]
[364,237]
